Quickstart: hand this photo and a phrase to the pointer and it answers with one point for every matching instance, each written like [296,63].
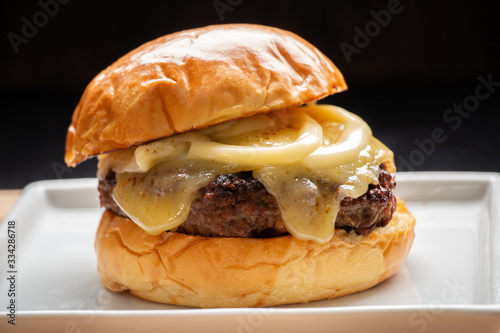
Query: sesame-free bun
[209,272]
[194,79]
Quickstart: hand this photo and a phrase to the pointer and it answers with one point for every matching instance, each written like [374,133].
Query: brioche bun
[194,79]
[210,272]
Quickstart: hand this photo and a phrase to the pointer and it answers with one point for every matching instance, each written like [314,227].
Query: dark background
[402,80]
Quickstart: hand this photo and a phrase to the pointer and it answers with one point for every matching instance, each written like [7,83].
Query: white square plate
[450,281]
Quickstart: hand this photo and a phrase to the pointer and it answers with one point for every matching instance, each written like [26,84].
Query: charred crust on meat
[238,205]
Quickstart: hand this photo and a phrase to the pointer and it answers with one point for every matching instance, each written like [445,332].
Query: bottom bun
[206,272]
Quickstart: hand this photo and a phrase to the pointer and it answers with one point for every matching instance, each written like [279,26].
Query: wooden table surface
[7,200]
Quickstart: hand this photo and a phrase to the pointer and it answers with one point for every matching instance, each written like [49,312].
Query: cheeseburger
[224,183]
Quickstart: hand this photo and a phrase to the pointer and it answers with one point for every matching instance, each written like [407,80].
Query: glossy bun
[193,79]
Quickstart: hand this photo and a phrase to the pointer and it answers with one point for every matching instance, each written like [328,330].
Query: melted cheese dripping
[159,200]
[309,158]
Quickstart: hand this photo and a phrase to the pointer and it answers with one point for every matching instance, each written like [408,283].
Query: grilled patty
[238,205]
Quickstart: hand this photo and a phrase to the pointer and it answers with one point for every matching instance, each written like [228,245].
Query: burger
[225,184]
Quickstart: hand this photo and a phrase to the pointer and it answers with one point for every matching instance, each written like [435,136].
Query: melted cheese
[309,199]
[309,158]
[159,200]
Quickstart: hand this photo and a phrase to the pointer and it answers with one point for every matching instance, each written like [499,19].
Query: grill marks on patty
[238,205]
[234,205]
[372,209]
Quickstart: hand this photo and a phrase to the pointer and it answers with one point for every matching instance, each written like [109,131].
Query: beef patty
[238,205]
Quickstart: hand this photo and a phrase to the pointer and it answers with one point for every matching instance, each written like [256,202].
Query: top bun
[194,79]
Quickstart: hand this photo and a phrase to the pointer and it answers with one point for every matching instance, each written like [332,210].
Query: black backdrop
[424,74]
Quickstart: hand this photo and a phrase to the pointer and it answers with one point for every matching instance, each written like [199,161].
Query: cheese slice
[309,158]
[159,200]
[309,199]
